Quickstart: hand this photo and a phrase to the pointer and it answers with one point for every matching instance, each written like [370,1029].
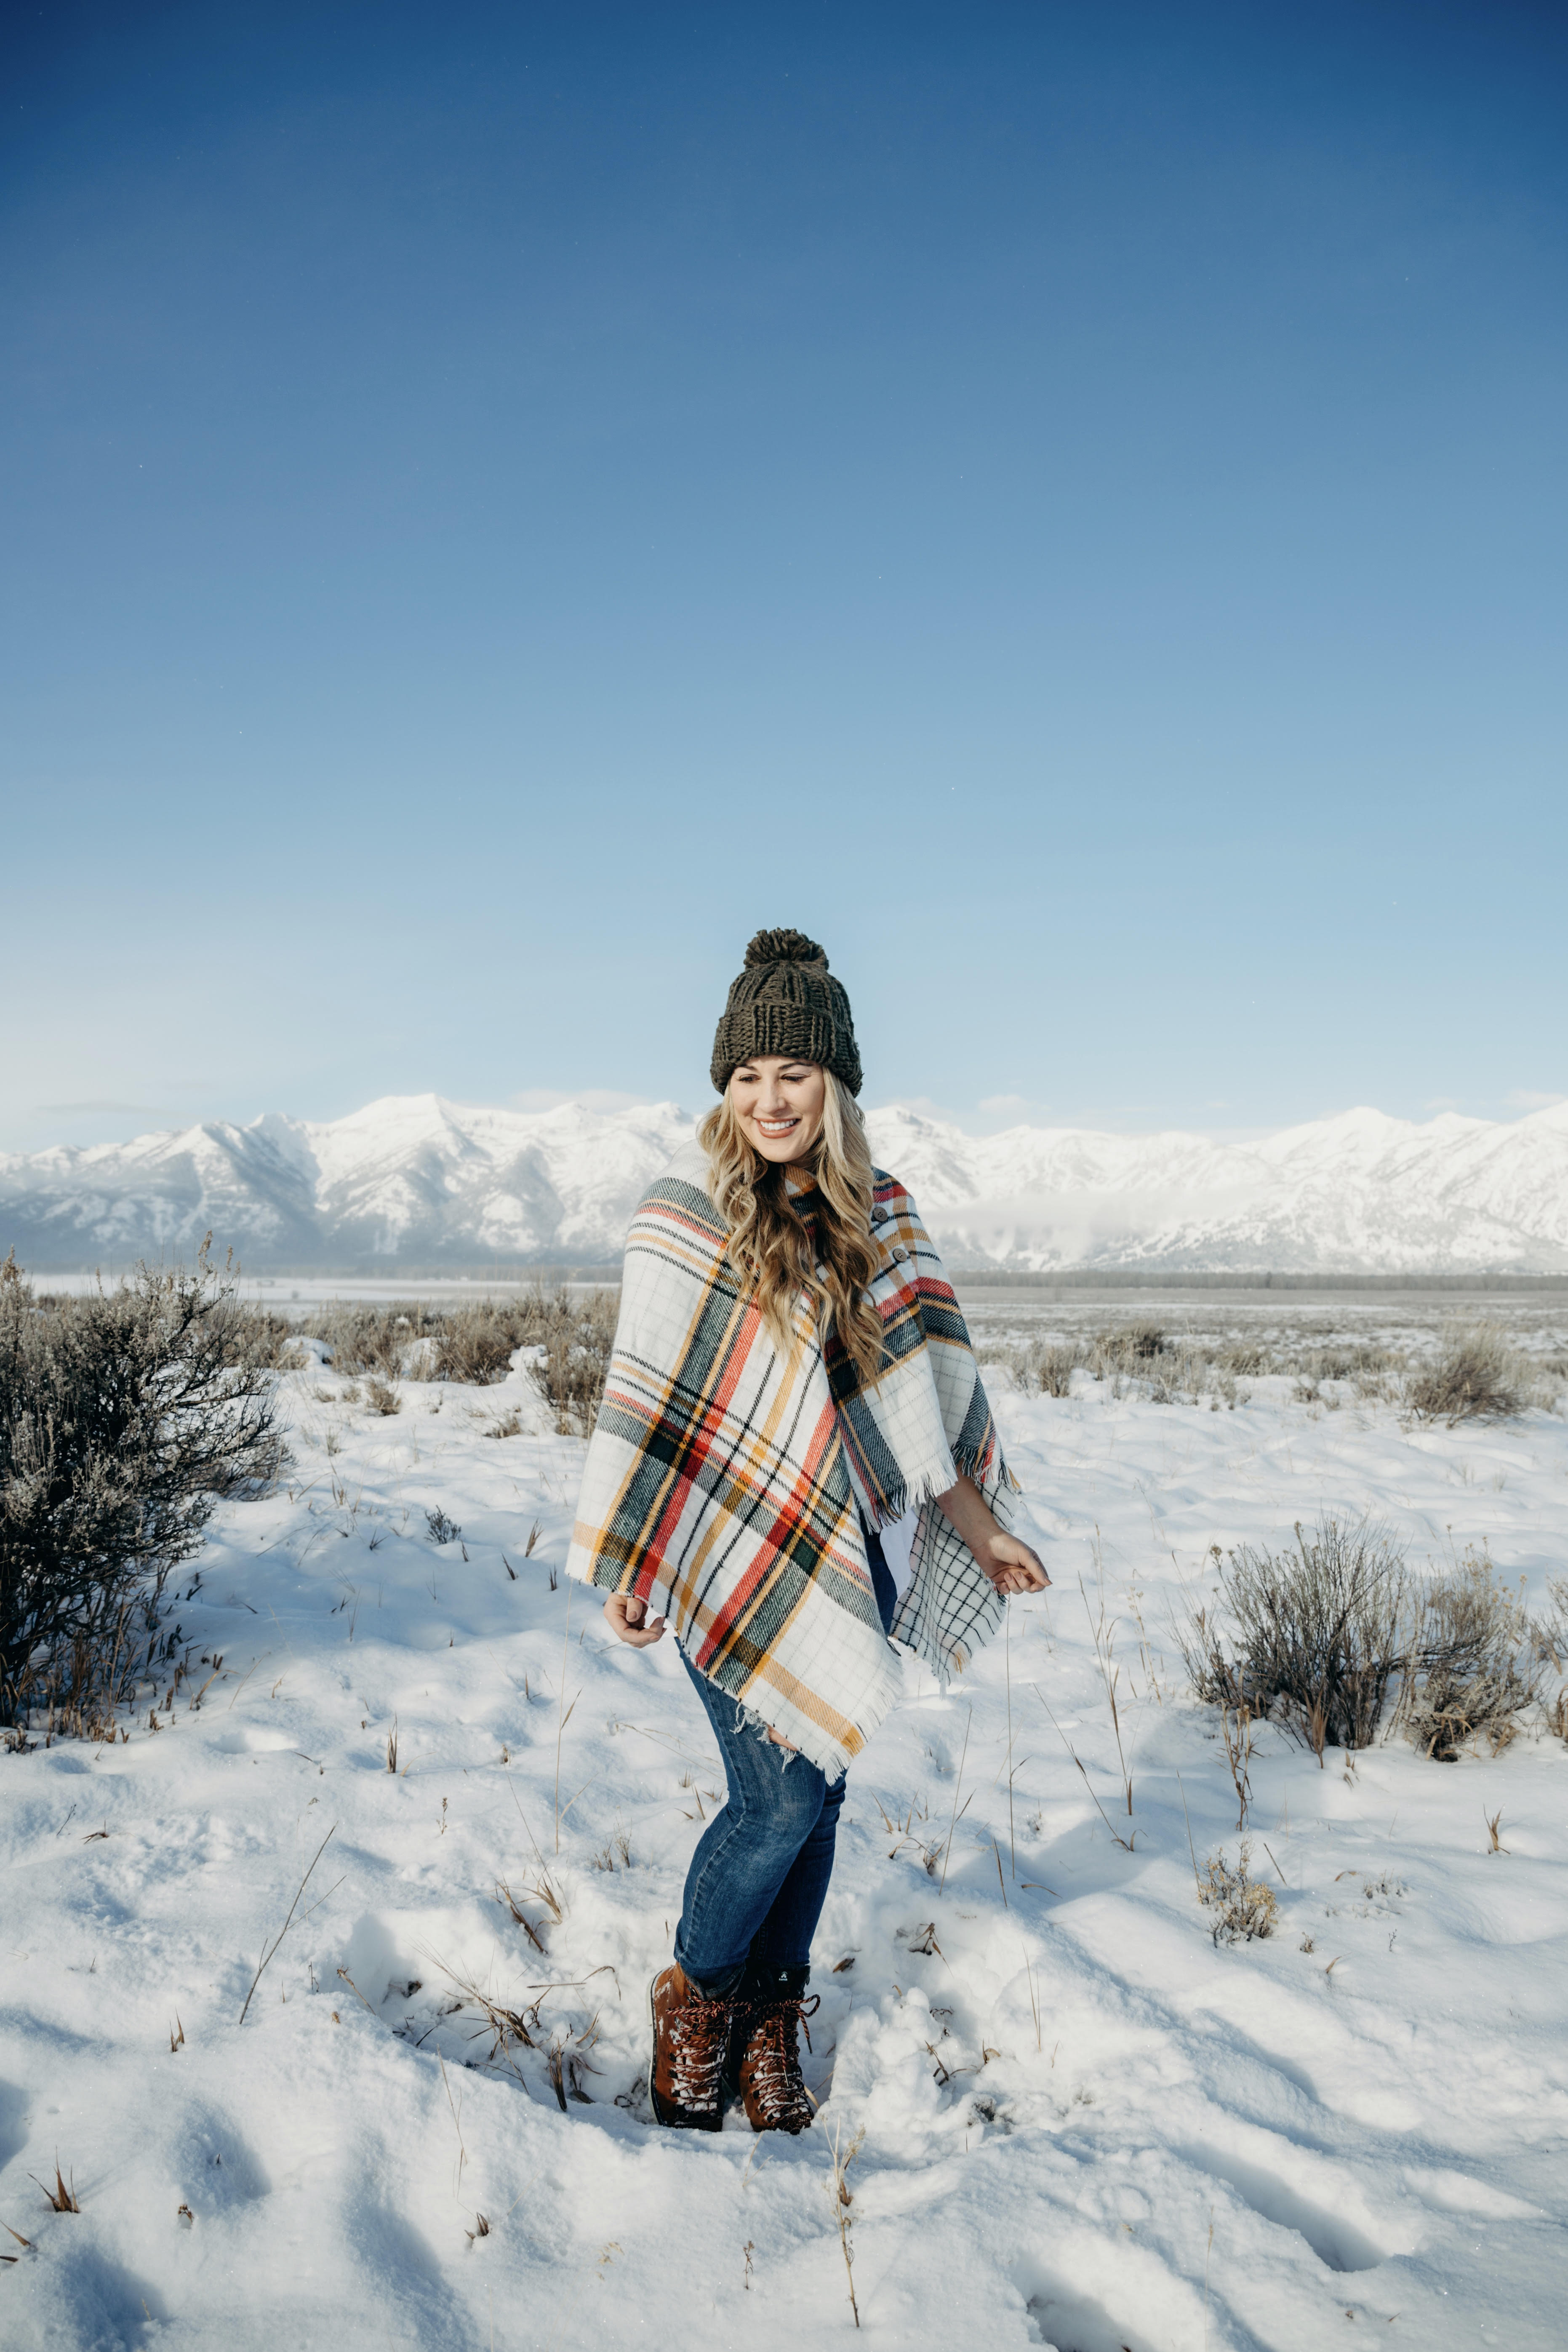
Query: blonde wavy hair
[769,1245]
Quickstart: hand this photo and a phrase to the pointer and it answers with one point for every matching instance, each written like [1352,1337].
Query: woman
[791,1374]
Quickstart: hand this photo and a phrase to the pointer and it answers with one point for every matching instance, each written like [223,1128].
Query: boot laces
[699,2033]
[776,2055]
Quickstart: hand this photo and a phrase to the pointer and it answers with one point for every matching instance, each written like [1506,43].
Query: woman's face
[780,1105]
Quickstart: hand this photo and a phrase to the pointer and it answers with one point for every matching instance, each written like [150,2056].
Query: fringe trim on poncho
[725,1486]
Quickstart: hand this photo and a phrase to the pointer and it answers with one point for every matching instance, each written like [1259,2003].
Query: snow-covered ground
[1075,2121]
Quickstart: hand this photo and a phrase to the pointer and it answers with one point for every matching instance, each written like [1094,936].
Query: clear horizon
[1066,506]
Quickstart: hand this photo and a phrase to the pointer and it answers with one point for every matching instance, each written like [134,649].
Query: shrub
[1470,1671]
[1125,1348]
[1475,1378]
[263,1338]
[381,1395]
[124,1417]
[572,1374]
[1244,1908]
[1309,1636]
[1551,1632]
[1038,1367]
[1140,1342]
[474,1345]
[363,1339]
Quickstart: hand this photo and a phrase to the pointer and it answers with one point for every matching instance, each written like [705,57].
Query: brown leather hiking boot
[691,2037]
[765,2057]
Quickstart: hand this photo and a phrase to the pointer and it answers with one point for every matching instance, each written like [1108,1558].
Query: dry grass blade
[1033,2003]
[563,1716]
[457,2122]
[1126,1843]
[542,1891]
[355,1991]
[60,2198]
[506,2025]
[1192,1849]
[1104,1638]
[282,1931]
[1000,1880]
[843,2197]
[952,1825]
[504,1895]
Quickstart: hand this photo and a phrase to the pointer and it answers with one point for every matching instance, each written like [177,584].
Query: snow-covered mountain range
[413,1182]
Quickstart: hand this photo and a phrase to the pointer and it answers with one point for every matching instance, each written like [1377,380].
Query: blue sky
[1065,503]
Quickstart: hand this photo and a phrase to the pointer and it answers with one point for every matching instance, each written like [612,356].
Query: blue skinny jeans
[759,1877]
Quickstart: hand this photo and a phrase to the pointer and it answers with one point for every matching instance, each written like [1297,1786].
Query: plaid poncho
[723,1482]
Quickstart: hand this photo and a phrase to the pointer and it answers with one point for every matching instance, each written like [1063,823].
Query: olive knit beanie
[786,1001]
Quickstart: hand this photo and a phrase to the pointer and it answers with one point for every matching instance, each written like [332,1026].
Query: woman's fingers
[1016,1569]
[628,1617]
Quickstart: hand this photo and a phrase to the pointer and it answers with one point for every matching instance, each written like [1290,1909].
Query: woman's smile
[779,1105]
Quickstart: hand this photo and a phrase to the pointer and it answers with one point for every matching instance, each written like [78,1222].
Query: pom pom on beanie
[783,946]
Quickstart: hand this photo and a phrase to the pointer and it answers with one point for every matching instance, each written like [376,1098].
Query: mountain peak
[421,1181]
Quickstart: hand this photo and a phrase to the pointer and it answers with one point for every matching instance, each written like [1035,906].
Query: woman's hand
[629,1621]
[1010,1565]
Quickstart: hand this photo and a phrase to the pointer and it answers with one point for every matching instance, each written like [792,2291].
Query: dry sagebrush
[1475,1377]
[1472,1669]
[1316,1636]
[1309,1636]
[474,1345]
[124,1417]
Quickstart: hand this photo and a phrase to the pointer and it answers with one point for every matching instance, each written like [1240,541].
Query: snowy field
[1075,2121]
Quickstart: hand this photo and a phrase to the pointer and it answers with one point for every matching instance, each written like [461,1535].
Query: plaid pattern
[721,1483]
